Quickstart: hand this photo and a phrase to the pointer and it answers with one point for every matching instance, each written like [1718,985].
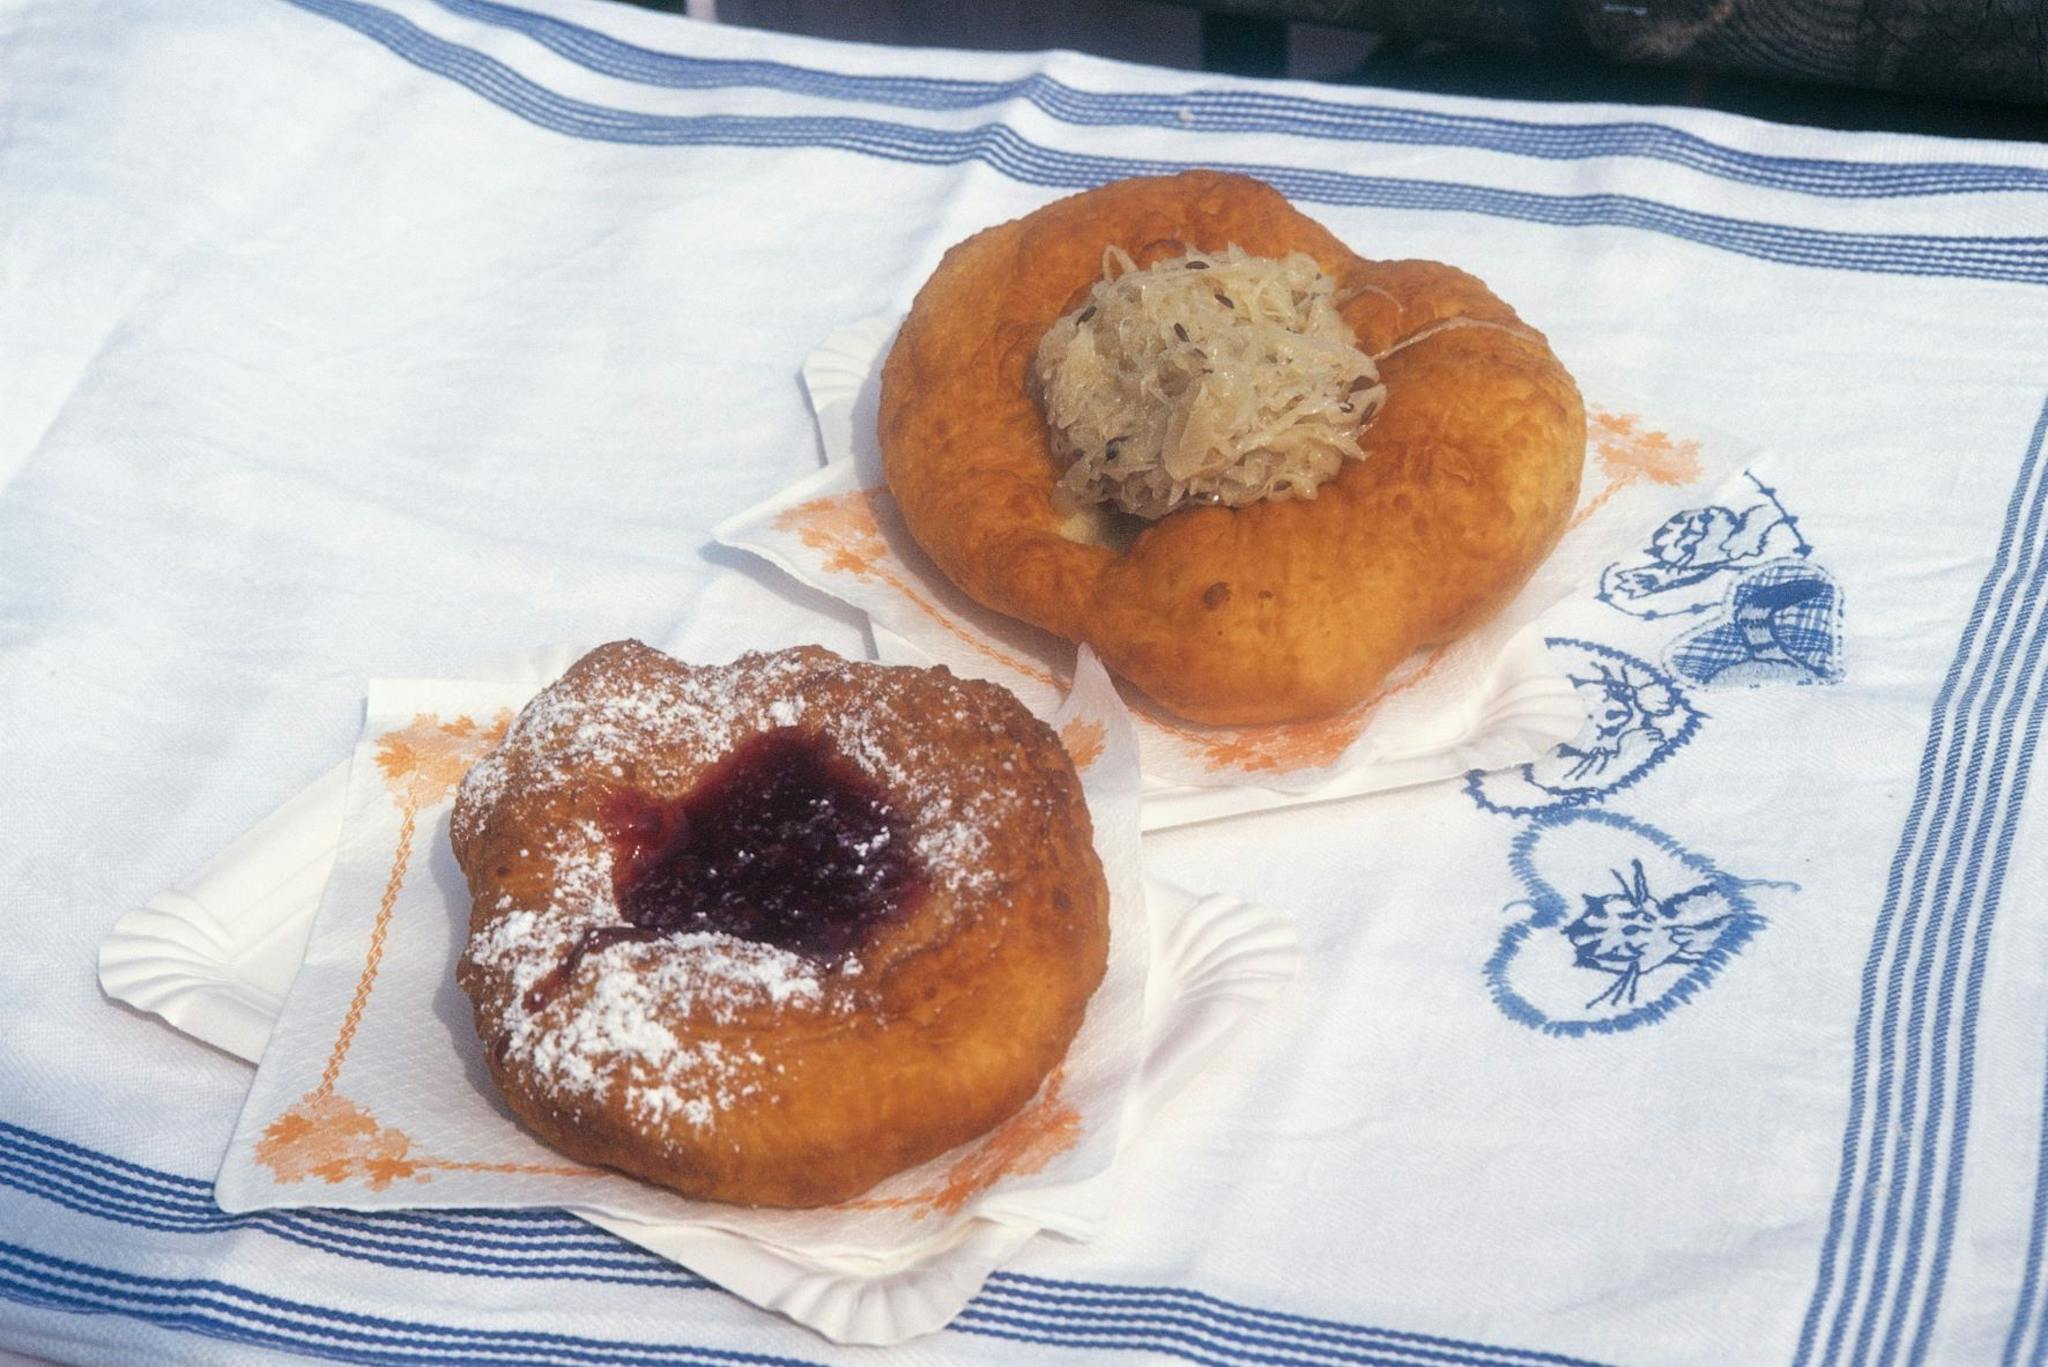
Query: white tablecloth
[342,339]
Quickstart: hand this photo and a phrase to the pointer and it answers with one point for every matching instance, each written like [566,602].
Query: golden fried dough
[1278,611]
[770,932]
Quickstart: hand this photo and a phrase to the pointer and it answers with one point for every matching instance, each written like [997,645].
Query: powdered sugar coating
[669,1029]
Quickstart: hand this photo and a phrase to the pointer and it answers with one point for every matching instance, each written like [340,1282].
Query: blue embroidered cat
[1633,932]
[1689,557]
[1625,926]
[1636,716]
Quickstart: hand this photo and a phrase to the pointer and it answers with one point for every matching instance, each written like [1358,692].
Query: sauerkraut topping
[1206,378]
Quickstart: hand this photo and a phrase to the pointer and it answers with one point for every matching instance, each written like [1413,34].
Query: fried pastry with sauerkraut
[1178,420]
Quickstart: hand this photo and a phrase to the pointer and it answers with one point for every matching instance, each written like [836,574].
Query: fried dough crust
[1280,611]
[934,1029]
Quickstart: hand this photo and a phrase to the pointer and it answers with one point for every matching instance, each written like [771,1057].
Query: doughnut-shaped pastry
[772,931]
[1277,610]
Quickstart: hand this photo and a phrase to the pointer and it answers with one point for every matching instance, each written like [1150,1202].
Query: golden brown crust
[744,1073]
[1276,612]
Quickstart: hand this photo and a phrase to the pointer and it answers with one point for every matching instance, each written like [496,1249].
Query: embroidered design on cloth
[1637,715]
[1625,925]
[1782,624]
[1682,570]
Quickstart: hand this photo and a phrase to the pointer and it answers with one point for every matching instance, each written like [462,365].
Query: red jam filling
[783,843]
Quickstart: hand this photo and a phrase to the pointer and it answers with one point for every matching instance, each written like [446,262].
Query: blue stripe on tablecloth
[2017,259]
[221,1310]
[1255,111]
[496,1243]
[1898,1192]
[1191,1325]
[2027,1341]
[1086,1304]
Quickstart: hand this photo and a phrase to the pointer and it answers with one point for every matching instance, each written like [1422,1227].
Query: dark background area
[1961,68]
